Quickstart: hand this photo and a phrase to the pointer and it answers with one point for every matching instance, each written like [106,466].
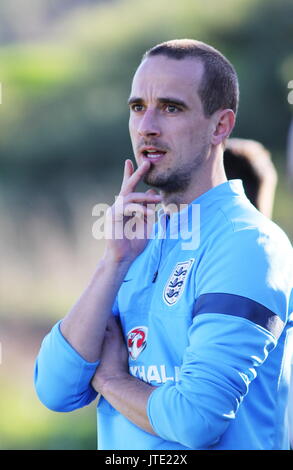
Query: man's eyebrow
[164,100]
[171,100]
[135,100]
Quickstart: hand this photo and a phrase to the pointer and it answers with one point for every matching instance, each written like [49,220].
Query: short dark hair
[219,88]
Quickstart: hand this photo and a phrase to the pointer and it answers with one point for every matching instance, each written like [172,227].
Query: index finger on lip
[128,171]
[130,181]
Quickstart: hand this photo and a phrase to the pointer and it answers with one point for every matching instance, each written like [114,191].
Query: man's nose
[149,124]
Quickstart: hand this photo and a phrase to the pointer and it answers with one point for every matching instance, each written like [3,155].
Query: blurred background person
[251,162]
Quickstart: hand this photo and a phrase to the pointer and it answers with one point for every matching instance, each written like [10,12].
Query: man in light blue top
[184,331]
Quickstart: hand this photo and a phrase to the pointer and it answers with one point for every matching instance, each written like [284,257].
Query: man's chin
[173,184]
[154,181]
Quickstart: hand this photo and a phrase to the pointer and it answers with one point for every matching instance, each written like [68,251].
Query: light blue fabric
[222,376]
[62,376]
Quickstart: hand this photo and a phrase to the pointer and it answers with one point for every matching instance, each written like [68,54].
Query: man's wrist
[114,262]
[105,383]
[112,269]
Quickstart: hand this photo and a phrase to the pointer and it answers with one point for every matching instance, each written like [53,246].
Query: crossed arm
[125,393]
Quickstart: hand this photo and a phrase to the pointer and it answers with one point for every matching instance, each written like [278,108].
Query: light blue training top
[206,311]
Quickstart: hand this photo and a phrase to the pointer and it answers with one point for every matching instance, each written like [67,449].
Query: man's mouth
[152,154]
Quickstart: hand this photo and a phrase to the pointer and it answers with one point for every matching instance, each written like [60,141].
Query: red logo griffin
[137,341]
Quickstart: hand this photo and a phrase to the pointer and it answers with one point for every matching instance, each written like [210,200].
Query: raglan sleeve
[240,309]
[62,376]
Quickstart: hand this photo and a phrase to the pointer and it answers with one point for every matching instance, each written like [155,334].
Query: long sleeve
[218,366]
[62,377]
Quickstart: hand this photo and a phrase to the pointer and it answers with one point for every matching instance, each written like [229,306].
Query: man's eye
[137,107]
[171,108]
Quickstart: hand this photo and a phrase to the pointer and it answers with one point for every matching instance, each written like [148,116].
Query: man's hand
[114,358]
[124,245]
[125,393]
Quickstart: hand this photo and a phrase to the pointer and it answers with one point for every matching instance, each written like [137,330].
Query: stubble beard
[178,180]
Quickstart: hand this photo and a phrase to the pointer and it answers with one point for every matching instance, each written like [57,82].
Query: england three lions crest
[176,282]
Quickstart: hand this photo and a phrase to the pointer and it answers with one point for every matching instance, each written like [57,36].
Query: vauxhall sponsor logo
[136,343]
[155,373]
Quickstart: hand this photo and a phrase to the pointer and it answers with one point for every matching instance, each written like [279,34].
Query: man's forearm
[129,396]
[84,326]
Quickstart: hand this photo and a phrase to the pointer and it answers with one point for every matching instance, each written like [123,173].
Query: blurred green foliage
[26,424]
[65,70]
[64,99]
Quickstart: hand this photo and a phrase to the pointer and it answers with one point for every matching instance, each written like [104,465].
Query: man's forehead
[162,77]
[163,68]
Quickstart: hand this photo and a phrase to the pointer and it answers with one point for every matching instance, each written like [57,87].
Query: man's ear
[225,121]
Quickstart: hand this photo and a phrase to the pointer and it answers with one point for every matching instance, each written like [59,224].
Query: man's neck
[203,181]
